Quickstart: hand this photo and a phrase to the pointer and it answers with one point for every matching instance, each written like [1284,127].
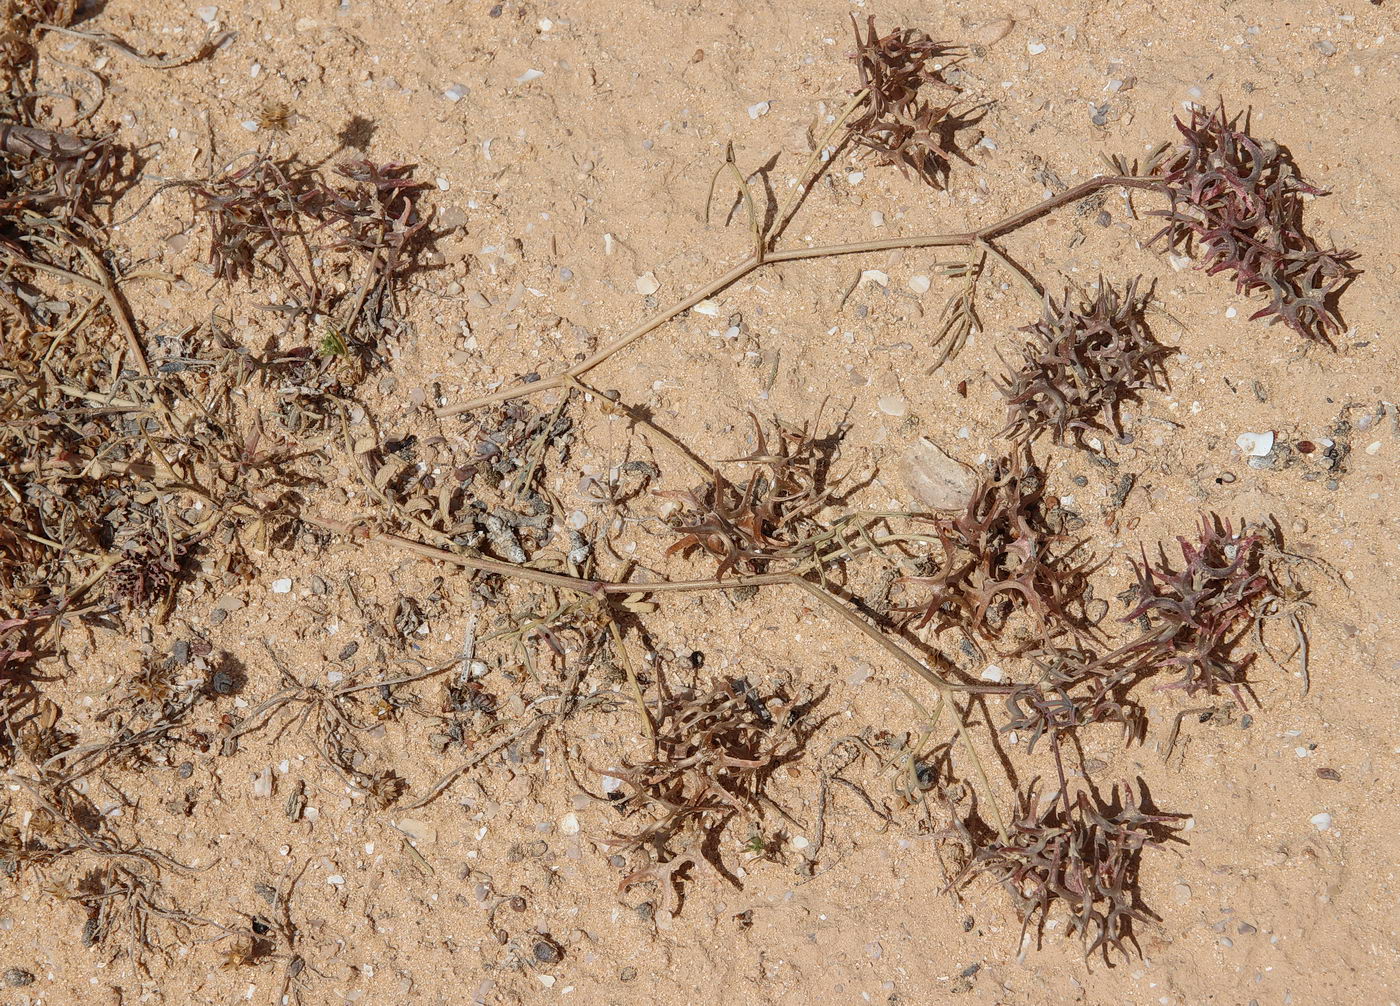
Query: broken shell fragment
[936,480]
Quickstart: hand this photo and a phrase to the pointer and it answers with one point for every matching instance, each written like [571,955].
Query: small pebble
[207,14]
[568,824]
[18,978]
[1035,48]
[456,93]
[250,125]
[1321,821]
[282,586]
[1181,893]
[799,843]
[1373,448]
[877,219]
[893,405]
[335,880]
[875,276]
[993,673]
[647,284]
[528,76]
[759,109]
[919,283]
[708,308]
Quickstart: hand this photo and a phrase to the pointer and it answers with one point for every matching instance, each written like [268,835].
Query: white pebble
[1230,312]
[529,75]
[708,308]
[1179,262]
[759,109]
[262,783]
[207,14]
[335,880]
[456,93]
[611,784]
[877,219]
[856,177]
[919,283]
[250,125]
[647,284]
[568,824]
[1321,821]
[1035,48]
[893,405]
[993,673]
[1374,447]
[799,843]
[1255,445]
[875,276]
[576,520]
[282,586]
[546,980]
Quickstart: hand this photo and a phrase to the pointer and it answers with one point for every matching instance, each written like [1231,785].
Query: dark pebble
[349,651]
[1330,774]
[547,952]
[1332,483]
[627,975]
[217,616]
[185,770]
[1246,721]
[18,978]
[1080,480]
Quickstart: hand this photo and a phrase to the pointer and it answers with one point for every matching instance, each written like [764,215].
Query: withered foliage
[1196,614]
[1241,200]
[1082,852]
[714,754]
[1000,556]
[768,517]
[898,124]
[1085,358]
[280,219]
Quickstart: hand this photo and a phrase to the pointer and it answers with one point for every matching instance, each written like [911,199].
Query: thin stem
[978,238]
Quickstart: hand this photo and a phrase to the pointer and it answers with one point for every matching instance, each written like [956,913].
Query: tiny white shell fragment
[936,480]
[529,75]
[1035,48]
[568,824]
[1179,262]
[919,283]
[759,109]
[993,673]
[611,784]
[800,842]
[708,308]
[647,284]
[875,276]
[1321,821]
[1255,445]
[455,93]
[282,586]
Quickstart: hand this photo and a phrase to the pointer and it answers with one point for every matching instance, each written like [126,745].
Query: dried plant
[771,515]
[1084,360]
[1081,851]
[1000,556]
[714,753]
[1241,200]
[899,125]
[1196,614]
[281,218]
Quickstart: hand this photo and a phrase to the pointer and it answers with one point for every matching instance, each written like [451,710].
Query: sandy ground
[552,196]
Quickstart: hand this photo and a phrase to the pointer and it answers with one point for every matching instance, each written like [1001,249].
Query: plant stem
[979,238]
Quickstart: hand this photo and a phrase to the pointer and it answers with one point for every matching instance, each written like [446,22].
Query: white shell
[936,480]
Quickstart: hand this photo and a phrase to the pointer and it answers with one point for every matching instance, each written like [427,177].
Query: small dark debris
[350,649]
[1330,774]
[185,770]
[627,975]
[1246,721]
[548,952]
[697,659]
[18,978]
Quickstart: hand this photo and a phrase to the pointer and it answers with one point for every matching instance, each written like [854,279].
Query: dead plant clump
[714,753]
[1085,359]
[1241,201]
